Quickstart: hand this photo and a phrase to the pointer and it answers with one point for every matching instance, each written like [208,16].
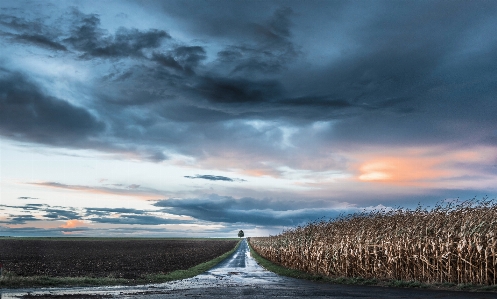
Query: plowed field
[126,258]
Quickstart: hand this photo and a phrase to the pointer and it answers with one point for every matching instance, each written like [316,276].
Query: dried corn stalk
[454,242]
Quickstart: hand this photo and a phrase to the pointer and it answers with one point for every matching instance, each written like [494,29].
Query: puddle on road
[238,270]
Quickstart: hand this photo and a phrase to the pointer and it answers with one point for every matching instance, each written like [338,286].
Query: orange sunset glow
[424,167]
[73,223]
[408,171]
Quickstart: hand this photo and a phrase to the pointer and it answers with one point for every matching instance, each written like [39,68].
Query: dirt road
[240,276]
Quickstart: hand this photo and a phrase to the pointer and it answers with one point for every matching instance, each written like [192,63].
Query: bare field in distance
[107,257]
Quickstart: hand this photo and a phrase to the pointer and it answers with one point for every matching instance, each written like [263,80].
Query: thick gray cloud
[88,37]
[213,178]
[247,210]
[28,31]
[183,58]
[27,113]
[41,41]
[62,214]
[401,65]
[268,51]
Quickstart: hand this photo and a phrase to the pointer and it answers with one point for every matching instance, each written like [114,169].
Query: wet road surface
[239,276]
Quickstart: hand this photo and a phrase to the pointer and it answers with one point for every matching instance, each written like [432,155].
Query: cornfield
[452,243]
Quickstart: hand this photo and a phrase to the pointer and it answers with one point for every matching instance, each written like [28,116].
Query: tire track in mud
[239,276]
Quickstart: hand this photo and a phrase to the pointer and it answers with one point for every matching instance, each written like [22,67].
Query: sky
[200,118]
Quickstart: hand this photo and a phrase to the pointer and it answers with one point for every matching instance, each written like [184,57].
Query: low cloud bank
[227,209]
[214,178]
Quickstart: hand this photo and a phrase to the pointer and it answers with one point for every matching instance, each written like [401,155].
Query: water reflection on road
[239,269]
[239,276]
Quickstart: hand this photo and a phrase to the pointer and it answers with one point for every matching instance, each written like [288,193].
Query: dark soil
[66,296]
[124,258]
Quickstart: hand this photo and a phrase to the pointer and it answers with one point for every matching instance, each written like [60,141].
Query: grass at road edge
[280,270]
[9,280]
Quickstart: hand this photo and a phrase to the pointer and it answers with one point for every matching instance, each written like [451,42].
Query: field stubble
[106,259]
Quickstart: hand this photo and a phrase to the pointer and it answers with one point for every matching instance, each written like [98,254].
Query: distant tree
[241,234]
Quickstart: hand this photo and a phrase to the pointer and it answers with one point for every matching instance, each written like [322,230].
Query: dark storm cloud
[85,36]
[386,73]
[41,41]
[227,209]
[317,102]
[37,40]
[31,32]
[268,45]
[27,113]
[194,114]
[238,91]
[250,27]
[168,61]
[270,50]
[408,62]
[88,37]
[214,178]
[183,59]
[20,24]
